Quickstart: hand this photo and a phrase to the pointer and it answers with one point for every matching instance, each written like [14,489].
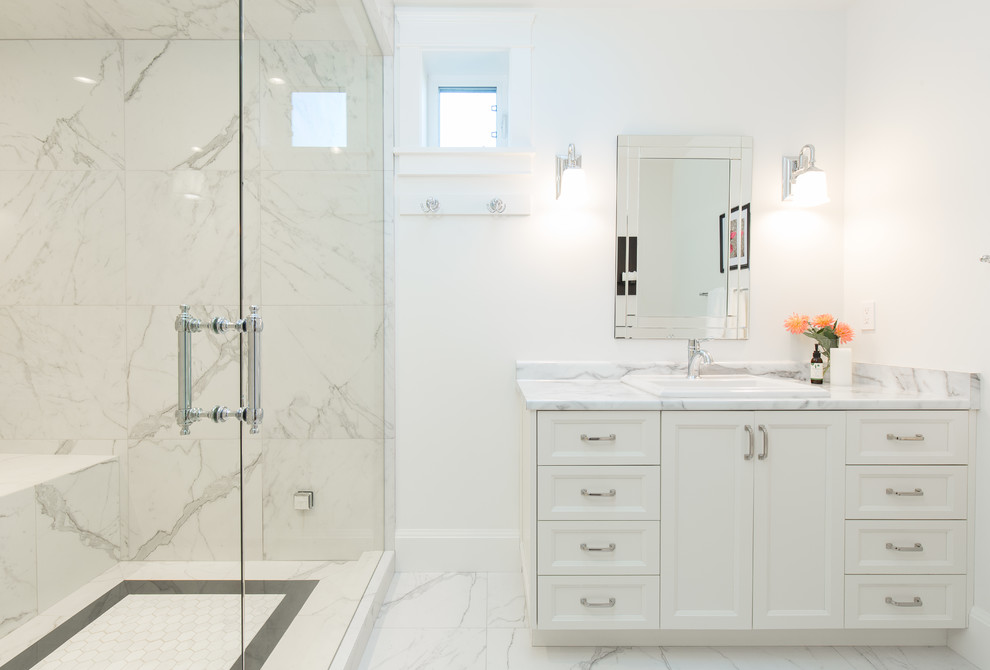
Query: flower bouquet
[824,329]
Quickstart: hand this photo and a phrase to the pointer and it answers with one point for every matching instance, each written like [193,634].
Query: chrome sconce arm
[251,326]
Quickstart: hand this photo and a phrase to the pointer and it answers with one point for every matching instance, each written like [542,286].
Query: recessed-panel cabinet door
[798,526]
[706,533]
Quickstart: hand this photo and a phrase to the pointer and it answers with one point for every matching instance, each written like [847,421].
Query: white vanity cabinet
[752,520]
[656,523]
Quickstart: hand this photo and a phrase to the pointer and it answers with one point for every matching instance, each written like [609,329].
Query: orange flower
[823,321]
[845,332]
[796,323]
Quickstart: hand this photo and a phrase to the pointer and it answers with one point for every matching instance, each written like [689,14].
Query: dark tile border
[258,649]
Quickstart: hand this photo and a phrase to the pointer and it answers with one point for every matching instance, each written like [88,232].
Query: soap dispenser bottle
[817,367]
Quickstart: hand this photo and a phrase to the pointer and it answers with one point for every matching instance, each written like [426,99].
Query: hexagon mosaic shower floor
[179,632]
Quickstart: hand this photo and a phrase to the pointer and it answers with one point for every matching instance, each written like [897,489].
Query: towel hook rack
[430,206]
[496,206]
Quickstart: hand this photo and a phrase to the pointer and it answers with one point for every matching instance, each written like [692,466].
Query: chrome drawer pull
[752,449]
[916,492]
[916,602]
[610,547]
[917,547]
[918,437]
[597,494]
[610,438]
[586,603]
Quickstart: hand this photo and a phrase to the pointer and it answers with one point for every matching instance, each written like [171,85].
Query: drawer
[598,438]
[598,548]
[906,492]
[621,493]
[905,438]
[906,547]
[905,601]
[598,603]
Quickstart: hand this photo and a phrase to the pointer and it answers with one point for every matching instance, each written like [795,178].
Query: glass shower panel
[313,174]
[119,201]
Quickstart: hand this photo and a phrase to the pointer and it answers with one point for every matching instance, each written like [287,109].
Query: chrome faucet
[695,352]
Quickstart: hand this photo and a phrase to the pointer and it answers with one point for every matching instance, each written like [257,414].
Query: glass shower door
[119,202]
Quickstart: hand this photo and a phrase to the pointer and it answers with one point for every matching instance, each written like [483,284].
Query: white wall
[473,295]
[918,90]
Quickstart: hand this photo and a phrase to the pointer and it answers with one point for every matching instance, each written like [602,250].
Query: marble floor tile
[506,600]
[904,658]
[511,649]
[425,649]
[435,600]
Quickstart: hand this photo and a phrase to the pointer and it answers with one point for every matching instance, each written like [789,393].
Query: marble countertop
[600,386]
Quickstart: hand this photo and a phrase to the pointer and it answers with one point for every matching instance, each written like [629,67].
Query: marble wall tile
[252,233]
[51,121]
[318,66]
[78,530]
[134,19]
[322,238]
[62,238]
[181,103]
[63,372]
[182,250]
[184,501]
[152,361]
[323,374]
[338,20]
[18,560]
[346,479]
[58,447]
[252,511]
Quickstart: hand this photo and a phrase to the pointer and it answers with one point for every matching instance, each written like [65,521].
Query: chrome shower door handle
[252,413]
[185,413]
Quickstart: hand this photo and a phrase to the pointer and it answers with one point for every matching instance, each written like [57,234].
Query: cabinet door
[798,526]
[706,529]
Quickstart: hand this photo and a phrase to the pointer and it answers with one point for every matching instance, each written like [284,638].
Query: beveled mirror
[682,229]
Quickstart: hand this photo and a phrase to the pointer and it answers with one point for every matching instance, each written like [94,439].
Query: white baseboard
[456,550]
[973,643]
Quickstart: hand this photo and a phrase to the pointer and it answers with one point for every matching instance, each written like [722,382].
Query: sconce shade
[564,163]
[804,183]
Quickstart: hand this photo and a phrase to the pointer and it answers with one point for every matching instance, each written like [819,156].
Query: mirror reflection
[683,237]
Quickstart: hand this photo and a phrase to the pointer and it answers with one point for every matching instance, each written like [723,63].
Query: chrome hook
[496,206]
[430,206]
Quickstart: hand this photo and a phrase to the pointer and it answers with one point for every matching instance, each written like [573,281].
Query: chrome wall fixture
[251,326]
[430,206]
[495,206]
[569,162]
[803,182]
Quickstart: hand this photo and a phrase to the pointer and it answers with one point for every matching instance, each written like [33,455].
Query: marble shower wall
[119,201]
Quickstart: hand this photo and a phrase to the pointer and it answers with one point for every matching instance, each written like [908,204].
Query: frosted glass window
[319,119]
[467,116]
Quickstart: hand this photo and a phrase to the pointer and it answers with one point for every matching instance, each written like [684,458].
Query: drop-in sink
[724,386]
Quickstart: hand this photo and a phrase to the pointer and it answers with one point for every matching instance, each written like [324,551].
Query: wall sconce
[569,162]
[804,184]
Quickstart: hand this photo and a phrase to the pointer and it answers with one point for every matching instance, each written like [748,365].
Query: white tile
[63,238]
[18,567]
[61,124]
[78,530]
[322,238]
[512,649]
[323,372]
[346,478]
[182,250]
[181,102]
[506,600]
[63,372]
[184,502]
[904,658]
[435,600]
[425,649]
[319,66]
[134,19]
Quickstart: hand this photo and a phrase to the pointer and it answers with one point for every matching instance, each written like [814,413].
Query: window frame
[499,82]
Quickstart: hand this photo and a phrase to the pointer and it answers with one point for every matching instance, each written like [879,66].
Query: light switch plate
[869,315]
